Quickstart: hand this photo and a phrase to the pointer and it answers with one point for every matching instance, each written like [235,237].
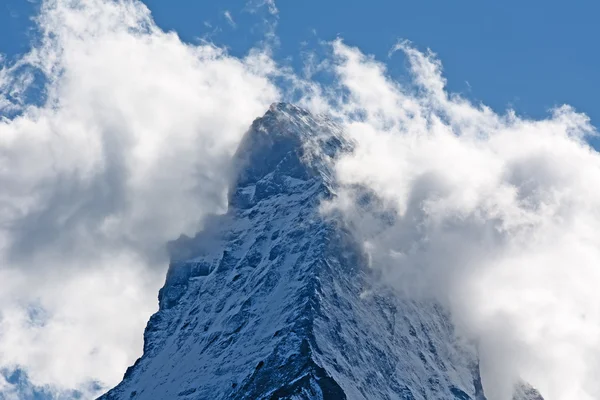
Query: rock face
[274,301]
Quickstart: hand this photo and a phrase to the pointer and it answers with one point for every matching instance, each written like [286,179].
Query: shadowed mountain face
[274,301]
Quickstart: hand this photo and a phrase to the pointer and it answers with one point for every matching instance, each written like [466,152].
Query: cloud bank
[494,216]
[128,147]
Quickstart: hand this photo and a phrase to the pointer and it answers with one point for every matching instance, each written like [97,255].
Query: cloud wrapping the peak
[129,148]
[493,216]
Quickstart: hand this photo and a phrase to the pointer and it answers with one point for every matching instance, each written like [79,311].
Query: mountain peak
[275,301]
[286,146]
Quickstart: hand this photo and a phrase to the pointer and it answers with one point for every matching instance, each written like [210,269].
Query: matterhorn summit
[275,300]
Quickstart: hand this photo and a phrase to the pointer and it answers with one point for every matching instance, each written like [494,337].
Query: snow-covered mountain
[274,301]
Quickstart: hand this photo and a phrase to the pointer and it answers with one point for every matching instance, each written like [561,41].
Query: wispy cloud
[229,19]
[255,5]
[272,7]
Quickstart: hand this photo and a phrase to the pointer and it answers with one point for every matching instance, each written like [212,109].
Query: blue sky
[529,55]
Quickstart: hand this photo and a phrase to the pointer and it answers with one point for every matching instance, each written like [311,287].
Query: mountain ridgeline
[274,300]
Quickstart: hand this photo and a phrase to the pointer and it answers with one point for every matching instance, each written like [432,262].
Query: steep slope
[274,301]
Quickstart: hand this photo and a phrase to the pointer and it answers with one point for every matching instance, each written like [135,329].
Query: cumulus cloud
[494,216]
[128,147]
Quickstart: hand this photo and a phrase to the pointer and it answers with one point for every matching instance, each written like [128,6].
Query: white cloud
[130,149]
[272,7]
[229,19]
[270,17]
[494,216]
[254,5]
